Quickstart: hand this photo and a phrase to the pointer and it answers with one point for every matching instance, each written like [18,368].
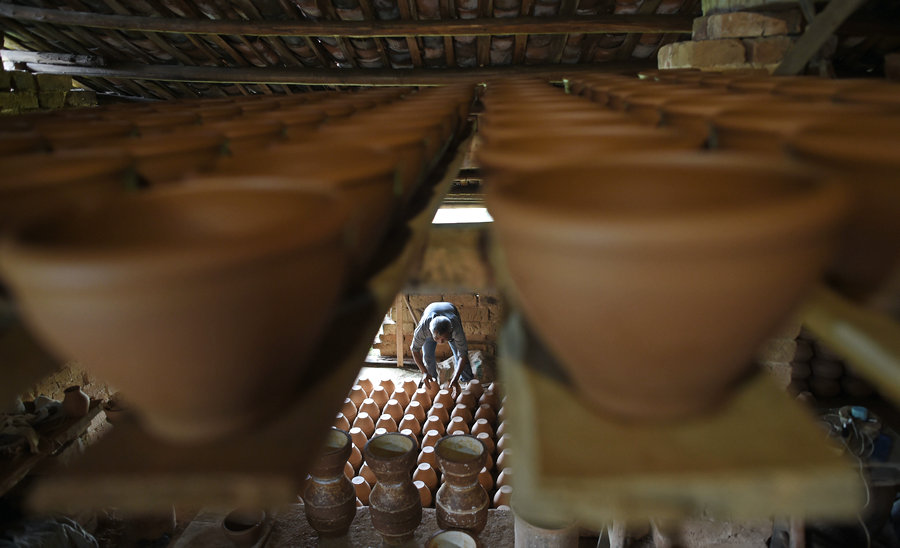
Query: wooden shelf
[759,456]
[134,471]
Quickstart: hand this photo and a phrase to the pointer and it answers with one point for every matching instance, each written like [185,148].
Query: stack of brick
[22,91]
[480,316]
[777,353]
[736,35]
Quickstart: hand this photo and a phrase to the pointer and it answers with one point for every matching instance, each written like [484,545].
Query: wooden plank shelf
[265,466]
[760,455]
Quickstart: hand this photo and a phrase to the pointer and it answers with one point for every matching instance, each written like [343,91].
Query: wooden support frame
[816,34]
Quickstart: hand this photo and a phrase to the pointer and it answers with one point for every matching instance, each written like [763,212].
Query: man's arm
[462,348]
[416,349]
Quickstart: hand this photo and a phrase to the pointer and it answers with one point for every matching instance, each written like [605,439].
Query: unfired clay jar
[174,156]
[427,456]
[489,398]
[466,398]
[362,488]
[341,422]
[485,411]
[393,408]
[379,432]
[424,493]
[240,260]
[432,390]
[387,422]
[502,496]
[379,395]
[410,422]
[426,474]
[396,507]
[349,409]
[461,502]
[476,388]
[503,460]
[75,403]
[458,424]
[246,136]
[357,395]
[359,437]
[409,386]
[431,438]
[502,443]
[367,473]
[369,406]
[501,430]
[460,410]
[438,410]
[421,396]
[444,398]
[417,410]
[355,458]
[348,469]
[505,477]
[401,397]
[388,386]
[482,425]
[366,384]
[487,440]
[243,527]
[486,479]
[329,498]
[693,114]
[365,423]
[754,245]
[434,423]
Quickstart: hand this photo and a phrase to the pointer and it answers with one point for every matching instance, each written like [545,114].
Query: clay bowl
[93,134]
[645,106]
[243,527]
[40,185]
[160,123]
[247,135]
[298,123]
[817,89]
[186,286]
[166,158]
[863,153]
[660,245]
[694,114]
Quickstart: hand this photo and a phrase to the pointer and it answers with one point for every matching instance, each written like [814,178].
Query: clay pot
[461,502]
[365,423]
[329,499]
[426,455]
[489,398]
[426,474]
[366,384]
[349,409]
[367,473]
[75,403]
[501,414]
[408,432]
[502,496]
[348,469]
[357,395]
[387,422]
[460,410]
[421,396]
[467,399]
[424,493]
[503,459]
[355,458]
[866,267]
[401,397]
[393,408]
[170,157]
[431,389]
[502,442]
[369,406]
[438,410]
[431,438]
[817,89]
[875,93]
[486,412]
[246,136]
[243,527]
[362,488]
[18,142]
[380,432]
[486,479]
[412,423]
[230,256]
[396,507]
[409,386]
[645,106]
[444,398]
[476,388]
[487,440]
[434,423]
[754,245]
[694,114]
[359,437]
[458,424]
[416,409]
[481,425]
[501,430]
[452,539]
[379,395]
[341,422]
[505,477]
[388,386]
[66,135]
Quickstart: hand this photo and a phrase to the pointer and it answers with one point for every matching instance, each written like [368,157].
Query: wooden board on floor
[760,455]
[132,470]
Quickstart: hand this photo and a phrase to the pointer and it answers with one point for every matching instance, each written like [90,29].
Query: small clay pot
[393,408]
[434,423]
[362,489]
[503,460]
[489,398]
[476,388]
[424,493]
[501,430]
[401,397]
[416,409]
[461,502]
[357,395]
[349,409]
[458,424]
[395,504]
[503,443]
[380,432]
[438,410]
[409,386]
[502,496]
[481,425]
[487,440]
[505,477]
[412,423]
[461,410]
[359,437]
[243,527]
[387,422]
[366,384]
[388,386]
[421,396]
[379,395]
[365,423]
[75,403]
[466,398]
[366,472]
[426,474]
[341,422]
[329,498]
[426,455]
[348,469]
[486,412]
[369,406]
[486,479]
[444,398]
[431,438]
[355,458]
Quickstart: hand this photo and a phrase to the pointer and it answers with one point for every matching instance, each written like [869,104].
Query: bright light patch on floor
[452,215]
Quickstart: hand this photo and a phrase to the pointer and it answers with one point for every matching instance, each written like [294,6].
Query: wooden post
[398,322]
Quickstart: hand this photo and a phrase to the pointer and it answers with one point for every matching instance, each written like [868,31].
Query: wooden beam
[334,77]
[597,24]
[398,323]
[19,56]
[815,36]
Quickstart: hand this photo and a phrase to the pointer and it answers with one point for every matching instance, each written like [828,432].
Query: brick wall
[480,316]
[22,91]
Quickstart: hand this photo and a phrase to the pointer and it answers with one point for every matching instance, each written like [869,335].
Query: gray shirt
[457,335]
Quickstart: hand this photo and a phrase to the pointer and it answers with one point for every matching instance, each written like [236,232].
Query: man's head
[441,328]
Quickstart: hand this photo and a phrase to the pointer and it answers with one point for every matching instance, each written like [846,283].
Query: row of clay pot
[605,243]
[847,128]
[394,499]
[818,372]
[250,253]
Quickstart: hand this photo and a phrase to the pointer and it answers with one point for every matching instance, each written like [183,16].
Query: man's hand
[429,383]
[454,388]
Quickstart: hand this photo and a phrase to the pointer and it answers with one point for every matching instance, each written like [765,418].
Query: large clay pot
[660,245]
[396,508]
[75,403]
[461,502]
[194,295]
[329,499]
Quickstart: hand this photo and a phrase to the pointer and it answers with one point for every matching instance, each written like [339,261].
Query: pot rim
[391,436]
[829,144]
[466,439]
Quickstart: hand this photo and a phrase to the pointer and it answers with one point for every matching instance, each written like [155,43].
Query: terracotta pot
[329,499]
[401,397]
[421,396]
[645,106]
[416,409]
[393,408]
[409,386]
[379,395]
[502,496]
[489,398]
[156,124]
[503,459]
[369,406]
[424,493]
[754,245]
[408,432]
[426,455]
[444,398]
[461,502]
[452,539]
[366,384]
[431,438]
[396,507]
[486,479]
[367,473]
[438,410]
[481,425]
[501,430]
[875,93]
[387,422]
[362,489]
[67,135]
[341,422]
[466,398]
[426,474]
[486,412]
[75,403]
[359,437]
[245,136]
[21,142]
[380,432]
[501,414]
[170,157]
[434,423]
[458,424]
[349,409]
[356,458]
[460,410]
[817,89]
[348,469]
[862,154]
[243,527]
[226,256]
[432,391]
[487,440]
[695,114]
[502,442]
[357,395]
[365,423]
[388,386]
[476,388]
[412,423]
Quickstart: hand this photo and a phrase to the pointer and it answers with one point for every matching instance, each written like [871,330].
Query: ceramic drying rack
[134,471]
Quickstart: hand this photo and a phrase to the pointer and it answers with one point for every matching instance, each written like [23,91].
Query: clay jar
[396,508]
[693,114]
[243,527]
[440,412]
[329,498]
[186,285]
[348,409]
[393,408]
[754,245]
[444,398]
[461,502]
[401,397]
[863,153]
[166,158]
[369,406]
[379,395]
[75,403]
